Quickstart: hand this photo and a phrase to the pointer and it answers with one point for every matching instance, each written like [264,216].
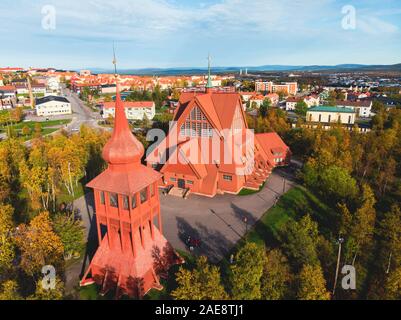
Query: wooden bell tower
[132,249]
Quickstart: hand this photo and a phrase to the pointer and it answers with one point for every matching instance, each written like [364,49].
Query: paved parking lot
[218,222]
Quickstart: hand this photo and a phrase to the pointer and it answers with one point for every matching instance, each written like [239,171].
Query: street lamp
[340,241]
[246,225]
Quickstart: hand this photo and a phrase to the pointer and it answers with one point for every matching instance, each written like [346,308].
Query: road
[81,113]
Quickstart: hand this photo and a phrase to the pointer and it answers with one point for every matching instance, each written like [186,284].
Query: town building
[312,100]
[132,252]
[22,89]
[327,115]
[7,103]
[78,87]
[38,89]
[247,95]
[134,110]
[8,91]
[287,88]
[52,106]
[291,103]
[274,98]
[209,149]
[256,101]
[108,89]
[362,108]
[10,70]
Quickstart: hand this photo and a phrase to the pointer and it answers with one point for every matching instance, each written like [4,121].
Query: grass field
[293,205]
[48,127]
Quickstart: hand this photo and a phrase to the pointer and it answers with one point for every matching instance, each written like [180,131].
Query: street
[81,113]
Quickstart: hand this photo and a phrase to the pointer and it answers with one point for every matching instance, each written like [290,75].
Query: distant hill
[265,68]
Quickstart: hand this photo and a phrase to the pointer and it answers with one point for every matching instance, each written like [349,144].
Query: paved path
[75,271]
[218,222]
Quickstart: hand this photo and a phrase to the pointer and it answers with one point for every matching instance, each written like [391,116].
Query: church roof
[219,107]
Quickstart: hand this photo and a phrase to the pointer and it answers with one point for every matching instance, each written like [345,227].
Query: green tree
[337,185]
[264,108]
[363,224]
[301,108]
[312,285]
[276,277]
[71,233]
[202,283]
[300,240]
[247,271]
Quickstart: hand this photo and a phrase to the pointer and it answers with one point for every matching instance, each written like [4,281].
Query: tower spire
[209,84]
[123,148]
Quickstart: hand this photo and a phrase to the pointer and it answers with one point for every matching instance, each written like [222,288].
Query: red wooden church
[210,121]
[132,251]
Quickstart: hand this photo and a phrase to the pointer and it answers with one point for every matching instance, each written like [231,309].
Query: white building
[8,91]
[53,106]
[22,89]
[39,89]
[247,95]
[291,103]
[362,109]
[134,110]
[312,101]
[328,115]
[53,84]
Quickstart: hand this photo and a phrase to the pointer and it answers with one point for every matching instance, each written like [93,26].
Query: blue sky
[180,33]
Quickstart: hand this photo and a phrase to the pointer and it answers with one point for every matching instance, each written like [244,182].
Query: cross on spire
[114,60]
[209,80]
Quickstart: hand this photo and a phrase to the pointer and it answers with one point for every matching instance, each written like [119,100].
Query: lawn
[247,192]
[44,124]
[293,205]
[79,191]
[48,127]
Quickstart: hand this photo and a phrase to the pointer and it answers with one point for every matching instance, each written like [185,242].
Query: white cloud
[375,26]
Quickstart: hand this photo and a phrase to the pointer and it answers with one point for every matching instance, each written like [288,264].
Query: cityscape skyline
[175,34]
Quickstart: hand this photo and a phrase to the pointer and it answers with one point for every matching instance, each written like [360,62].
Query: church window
[133,201]
[126,202]
[144,195]
[196,125]
[102,199]
[113,200]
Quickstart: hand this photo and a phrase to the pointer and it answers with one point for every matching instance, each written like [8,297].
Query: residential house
[134,110]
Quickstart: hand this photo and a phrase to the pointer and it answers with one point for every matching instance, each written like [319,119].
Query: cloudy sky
[180,33]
